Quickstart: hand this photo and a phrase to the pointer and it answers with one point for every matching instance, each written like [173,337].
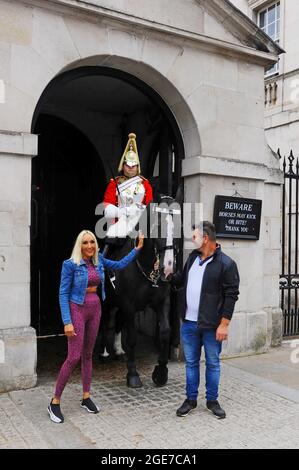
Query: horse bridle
[155,275]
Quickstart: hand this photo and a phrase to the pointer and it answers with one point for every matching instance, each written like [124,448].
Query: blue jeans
[193,340]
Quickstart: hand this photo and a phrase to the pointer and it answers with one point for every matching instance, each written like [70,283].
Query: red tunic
[110,196]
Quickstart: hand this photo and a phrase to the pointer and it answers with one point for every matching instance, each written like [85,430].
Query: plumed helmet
[130,155]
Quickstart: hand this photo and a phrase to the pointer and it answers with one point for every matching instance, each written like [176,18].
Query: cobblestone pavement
[260,413]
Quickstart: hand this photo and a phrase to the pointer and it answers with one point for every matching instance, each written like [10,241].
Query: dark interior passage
[68,184]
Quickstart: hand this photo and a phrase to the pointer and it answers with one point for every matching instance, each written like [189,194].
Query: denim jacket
[74,280]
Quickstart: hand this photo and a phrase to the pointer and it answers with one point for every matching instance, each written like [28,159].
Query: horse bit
[155,275]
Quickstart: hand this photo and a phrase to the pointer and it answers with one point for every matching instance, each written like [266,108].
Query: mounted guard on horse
[145,282]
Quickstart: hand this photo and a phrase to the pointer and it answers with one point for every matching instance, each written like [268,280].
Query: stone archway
[77,98]
[164,88]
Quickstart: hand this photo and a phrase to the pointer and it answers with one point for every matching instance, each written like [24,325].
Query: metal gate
[289,277]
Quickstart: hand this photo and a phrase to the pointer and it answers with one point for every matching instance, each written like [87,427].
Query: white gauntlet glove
[112,212]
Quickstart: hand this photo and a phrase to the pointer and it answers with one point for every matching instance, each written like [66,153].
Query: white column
[17,338]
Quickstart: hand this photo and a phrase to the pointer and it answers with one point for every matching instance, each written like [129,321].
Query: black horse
[140,285]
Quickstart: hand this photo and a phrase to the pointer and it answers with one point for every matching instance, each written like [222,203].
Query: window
[269,21]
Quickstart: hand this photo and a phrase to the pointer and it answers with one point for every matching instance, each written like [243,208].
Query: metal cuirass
[131,190]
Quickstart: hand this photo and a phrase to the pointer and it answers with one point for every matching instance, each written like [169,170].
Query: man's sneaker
[89,405]
[186,407]
[55,413]
[216,409]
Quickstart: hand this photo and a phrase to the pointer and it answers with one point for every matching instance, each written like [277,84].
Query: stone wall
[212,83]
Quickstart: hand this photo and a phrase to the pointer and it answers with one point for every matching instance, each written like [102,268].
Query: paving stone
[257,416]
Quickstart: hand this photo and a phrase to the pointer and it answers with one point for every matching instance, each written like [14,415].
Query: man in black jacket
[210,281]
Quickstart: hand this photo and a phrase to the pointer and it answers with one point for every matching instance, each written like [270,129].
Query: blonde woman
[81,312]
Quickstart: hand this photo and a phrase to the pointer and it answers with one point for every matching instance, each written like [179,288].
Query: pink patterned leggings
[86,321]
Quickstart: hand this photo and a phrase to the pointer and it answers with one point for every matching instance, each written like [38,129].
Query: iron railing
[289,277]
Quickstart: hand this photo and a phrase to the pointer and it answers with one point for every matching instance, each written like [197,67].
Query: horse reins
[155,275]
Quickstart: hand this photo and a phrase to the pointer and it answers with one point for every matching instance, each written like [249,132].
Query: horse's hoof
[160,375]
[133,381]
